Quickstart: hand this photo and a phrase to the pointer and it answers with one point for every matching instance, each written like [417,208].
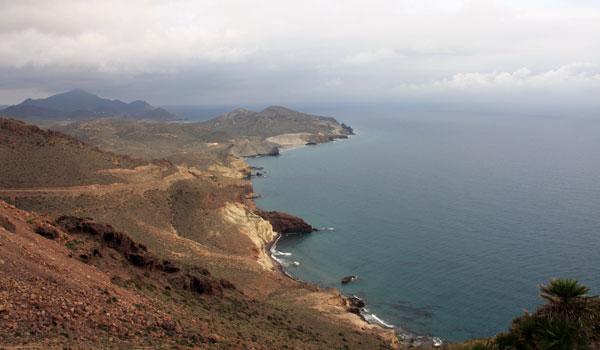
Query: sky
[217,52]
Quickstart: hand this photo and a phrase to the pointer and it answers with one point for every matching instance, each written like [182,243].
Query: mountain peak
[77,92]
[79,104]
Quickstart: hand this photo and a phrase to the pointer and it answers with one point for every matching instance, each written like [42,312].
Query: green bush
[569,320]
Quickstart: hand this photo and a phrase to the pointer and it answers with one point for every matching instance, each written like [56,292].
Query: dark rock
[47,231]
[356,301]
[285,223]
[348,129]
[168,267]
[353,304]
[138,260]
[198,280]
[135,252]
[226,284]
[348,279]
[353,309]
[311,143]
[199,284]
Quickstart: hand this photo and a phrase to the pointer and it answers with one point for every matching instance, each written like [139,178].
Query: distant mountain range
[79,105]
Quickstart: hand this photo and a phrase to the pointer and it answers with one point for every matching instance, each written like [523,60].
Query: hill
[240,133]
[33,157]
[276,120]
[82,105]
[135,252]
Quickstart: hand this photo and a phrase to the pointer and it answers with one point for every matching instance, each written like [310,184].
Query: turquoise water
[450,220]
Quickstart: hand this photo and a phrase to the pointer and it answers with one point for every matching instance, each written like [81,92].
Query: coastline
[270,247]
[270,250]
[401,334]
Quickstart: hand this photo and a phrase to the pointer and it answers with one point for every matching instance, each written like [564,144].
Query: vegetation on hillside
[570,320]
[241,133]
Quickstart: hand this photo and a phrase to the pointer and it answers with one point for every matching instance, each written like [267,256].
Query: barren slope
[187,216]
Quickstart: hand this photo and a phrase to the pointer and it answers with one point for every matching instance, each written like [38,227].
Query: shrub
[569,320]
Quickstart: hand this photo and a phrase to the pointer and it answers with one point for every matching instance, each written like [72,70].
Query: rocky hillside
[276,120]
[71,280]
[141,252]
[240,133]
[82,105]
[33,157]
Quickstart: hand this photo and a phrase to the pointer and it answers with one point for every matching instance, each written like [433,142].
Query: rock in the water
[348,129]
[348,279]
[356,301]
[354,304]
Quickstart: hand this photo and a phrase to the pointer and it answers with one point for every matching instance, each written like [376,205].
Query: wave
[277,252]
[403,333]
[372,318]
[279,261]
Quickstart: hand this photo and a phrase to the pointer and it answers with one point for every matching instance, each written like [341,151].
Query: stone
[348,279]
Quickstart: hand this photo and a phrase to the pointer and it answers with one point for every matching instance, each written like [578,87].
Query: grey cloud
[232,51]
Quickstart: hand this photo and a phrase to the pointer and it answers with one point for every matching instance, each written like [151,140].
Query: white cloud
[569,76]
[572,84]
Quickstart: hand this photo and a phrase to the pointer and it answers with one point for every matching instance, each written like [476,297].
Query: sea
[449,218]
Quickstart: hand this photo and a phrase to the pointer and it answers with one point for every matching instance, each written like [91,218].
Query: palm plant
[570,320]
[571,314]
[560,334]
[567,300]
[563,289]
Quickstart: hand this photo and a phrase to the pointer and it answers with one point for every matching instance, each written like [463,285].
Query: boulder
[348,279]
[47,231]
[356,301]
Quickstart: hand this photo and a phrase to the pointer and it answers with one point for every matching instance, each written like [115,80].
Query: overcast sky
[302,52]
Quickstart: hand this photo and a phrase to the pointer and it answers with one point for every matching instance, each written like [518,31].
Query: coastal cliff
[254,227]
[284,222]
[197,218]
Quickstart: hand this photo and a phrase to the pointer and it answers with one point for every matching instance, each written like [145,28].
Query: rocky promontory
[285,223]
